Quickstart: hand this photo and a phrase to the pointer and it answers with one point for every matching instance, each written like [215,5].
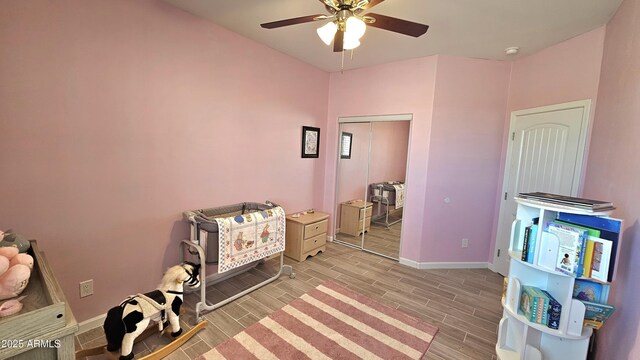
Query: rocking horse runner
[124,323]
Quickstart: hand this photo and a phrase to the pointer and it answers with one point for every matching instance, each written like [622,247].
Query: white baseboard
[410,263]
[91,323]
[329,238]
[443,265]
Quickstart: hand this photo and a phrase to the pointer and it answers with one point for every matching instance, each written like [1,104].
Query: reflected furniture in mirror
[370,188]
[355,217]
[389,197]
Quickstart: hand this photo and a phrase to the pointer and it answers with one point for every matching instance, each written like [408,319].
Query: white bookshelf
[520,339]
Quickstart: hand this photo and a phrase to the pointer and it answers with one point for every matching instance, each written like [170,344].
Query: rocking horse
[126,322]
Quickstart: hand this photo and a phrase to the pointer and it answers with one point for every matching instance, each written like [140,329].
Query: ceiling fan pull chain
[342,65]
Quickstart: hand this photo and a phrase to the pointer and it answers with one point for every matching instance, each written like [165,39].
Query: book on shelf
[610,229]
[554,310]
[587,248]
[531,250]
[596,314]
[543,305]
[571,242]
[529,303]
[581,203]
[525,243]
[600,262]
[534,304]
[588,258]
[586,290]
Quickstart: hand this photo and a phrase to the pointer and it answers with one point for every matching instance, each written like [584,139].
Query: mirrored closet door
[370,183]
[353,163]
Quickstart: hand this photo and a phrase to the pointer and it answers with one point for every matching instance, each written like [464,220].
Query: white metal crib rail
[203,305]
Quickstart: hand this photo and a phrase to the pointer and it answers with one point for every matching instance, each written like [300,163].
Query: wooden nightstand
[355,215]
[306,235]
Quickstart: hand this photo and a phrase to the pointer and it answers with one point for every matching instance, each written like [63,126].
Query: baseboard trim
[91,323]
[443,265]
[329,238]
[409,263]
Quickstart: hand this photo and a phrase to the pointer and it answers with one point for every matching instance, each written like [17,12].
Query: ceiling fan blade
[371,4]
[292,21]
[338,41]
[398,25]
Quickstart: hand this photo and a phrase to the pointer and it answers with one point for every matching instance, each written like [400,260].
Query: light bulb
[327,32]
[350,42]
[356,27]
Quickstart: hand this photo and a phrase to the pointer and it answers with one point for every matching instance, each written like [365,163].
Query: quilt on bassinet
[391,191]
[246,238]
[399,195]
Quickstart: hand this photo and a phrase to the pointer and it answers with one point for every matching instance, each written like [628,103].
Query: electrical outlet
[465,242]
[86,288]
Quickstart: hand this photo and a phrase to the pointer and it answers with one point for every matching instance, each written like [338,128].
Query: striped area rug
[330,322]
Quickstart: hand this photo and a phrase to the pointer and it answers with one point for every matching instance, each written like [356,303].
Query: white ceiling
[471,28]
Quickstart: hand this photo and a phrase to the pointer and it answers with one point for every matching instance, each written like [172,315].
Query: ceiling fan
[348,24]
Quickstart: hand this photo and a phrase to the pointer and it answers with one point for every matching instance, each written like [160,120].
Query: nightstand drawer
[315,229]
[364,223]
[366,212]
[314,242]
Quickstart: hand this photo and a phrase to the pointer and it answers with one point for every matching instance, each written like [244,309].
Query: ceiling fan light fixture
[355,27]
[350,43]
[327,32]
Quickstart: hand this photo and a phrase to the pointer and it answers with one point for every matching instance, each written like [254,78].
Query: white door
[545,153]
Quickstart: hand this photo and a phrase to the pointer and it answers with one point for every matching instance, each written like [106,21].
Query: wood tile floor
[464,304]
[380,238]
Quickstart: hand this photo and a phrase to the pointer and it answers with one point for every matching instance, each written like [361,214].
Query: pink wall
[564,72]
[396,88]
[390,142]
[464,158]
[118,115]
[464,124]
[613,172]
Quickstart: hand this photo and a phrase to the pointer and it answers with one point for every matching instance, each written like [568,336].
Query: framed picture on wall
[310,142]
[345,145]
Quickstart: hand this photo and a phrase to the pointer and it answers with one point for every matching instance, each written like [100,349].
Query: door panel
[545,155]
[548,146]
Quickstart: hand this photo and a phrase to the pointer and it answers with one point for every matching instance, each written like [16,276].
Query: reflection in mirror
[352,182]
[386,186]
[345,145]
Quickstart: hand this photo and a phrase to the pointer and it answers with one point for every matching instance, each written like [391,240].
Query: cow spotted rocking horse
[126,322]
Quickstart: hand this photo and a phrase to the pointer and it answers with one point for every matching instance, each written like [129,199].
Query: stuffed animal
[15,270]
[129,319]
[9,238]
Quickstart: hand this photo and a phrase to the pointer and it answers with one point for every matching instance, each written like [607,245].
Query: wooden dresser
[355,217]
[306,235]
[45,327]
